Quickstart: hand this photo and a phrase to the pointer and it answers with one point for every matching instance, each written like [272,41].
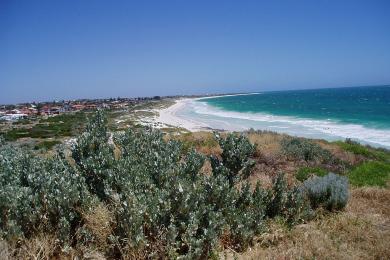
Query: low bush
[303,149]
[330,191]
[371,173]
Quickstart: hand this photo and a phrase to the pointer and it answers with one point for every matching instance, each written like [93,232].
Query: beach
[168,116]
[196,114]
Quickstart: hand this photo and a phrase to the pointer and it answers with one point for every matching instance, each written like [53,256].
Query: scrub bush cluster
[163,206]
[303,149]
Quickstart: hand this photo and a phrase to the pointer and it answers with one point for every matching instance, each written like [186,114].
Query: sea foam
[325,129]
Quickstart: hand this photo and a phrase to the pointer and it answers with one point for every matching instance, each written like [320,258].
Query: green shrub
[236,163]
[286,202]
[305,172]
[330,191]
[303,149]
[39,195]
[370,174]
[367,151]
[94,156]
[277,196]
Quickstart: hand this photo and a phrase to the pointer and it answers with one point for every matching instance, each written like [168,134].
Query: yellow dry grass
[362,231]
[202,142]
[268,143]
[42,246]
[98,221]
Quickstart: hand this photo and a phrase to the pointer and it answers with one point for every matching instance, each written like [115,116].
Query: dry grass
[203,142]
[98,221]
[268,143]
[362,231]
[4,250]
[42,246]
[345,156]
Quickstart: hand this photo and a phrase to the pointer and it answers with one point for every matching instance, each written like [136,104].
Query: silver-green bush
[39,194]
[236,164]
[330,191]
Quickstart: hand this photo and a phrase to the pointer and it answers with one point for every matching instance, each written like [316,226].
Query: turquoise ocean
[359,113]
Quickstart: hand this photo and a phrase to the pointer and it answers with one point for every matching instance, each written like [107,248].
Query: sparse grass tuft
[305,172]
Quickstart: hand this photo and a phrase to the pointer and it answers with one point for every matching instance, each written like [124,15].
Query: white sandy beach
[169,117]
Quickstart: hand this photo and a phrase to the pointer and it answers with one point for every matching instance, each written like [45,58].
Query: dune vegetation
[141,193]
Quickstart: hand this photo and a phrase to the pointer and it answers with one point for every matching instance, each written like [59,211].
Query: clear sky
[87,49]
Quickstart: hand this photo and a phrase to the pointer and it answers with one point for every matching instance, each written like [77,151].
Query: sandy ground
[168,116]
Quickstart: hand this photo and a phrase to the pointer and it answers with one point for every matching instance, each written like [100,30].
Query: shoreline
[315,130]
[169,117]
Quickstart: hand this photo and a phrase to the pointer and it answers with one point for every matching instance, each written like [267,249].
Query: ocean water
[360,113]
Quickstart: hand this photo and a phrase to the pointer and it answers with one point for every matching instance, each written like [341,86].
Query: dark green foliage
[277,196]
[236,163]
[297,208]
[304,150]
[330,191]
[305,172]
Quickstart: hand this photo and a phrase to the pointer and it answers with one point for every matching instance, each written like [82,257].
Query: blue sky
[86,49]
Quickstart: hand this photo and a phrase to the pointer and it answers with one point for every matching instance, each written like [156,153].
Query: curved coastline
[195,115]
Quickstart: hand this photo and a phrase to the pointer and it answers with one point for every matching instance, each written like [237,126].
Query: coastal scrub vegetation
[64,125]
[135,194]
[303,149]
[140,193]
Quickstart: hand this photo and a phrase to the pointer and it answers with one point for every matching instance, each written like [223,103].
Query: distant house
[105,105]
[65,108]
[90,106]
[12,117]
[30,111]
[45,110]
[78,107]
[55,110]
